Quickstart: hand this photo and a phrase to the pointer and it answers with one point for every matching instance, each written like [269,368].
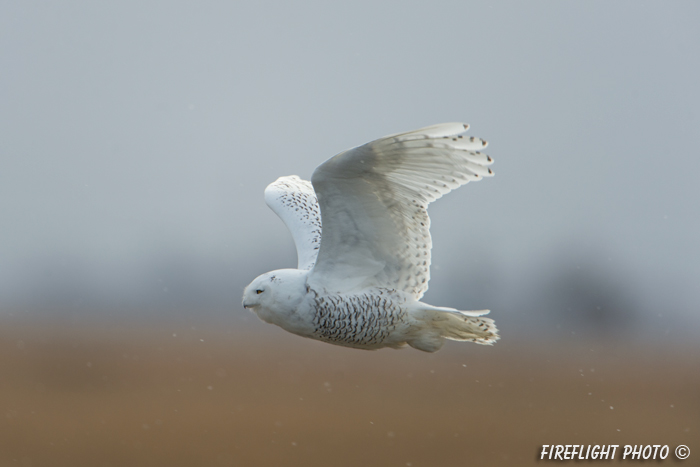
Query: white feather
[294,201]
[374,201]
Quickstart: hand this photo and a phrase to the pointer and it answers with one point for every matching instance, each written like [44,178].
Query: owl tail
[439,323]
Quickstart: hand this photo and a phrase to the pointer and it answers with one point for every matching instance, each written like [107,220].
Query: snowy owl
[360,279]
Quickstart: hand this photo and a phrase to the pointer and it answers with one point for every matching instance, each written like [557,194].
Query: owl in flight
[361,230]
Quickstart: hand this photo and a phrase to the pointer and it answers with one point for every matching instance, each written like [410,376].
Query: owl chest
[357,319]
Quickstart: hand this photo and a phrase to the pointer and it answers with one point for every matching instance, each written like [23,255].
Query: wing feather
[374,200]
[294,201]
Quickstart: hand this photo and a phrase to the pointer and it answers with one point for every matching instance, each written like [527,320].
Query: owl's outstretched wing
[373,201]
[294,201]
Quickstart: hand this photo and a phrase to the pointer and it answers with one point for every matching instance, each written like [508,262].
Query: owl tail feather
[449,323]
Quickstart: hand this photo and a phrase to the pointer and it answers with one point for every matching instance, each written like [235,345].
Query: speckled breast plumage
[358,320]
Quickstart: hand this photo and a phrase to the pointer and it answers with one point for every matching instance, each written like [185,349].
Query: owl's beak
[247,304]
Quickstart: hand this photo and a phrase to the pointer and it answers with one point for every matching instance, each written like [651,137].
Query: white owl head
[275,292]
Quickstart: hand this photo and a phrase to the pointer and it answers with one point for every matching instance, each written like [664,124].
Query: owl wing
[294,201]
[374,200]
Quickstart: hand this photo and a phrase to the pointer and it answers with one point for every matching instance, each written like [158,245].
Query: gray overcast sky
[137,138]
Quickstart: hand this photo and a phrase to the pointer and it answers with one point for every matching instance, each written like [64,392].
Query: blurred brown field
[174,394]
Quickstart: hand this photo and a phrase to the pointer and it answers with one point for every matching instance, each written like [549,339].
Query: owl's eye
[258,291]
